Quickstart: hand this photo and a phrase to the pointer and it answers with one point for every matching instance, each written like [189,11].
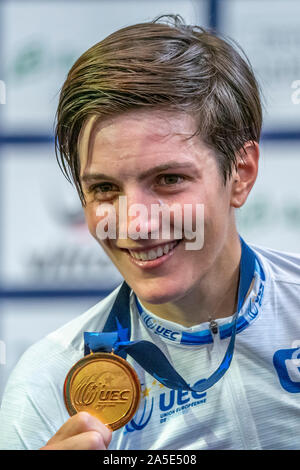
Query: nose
[137,219]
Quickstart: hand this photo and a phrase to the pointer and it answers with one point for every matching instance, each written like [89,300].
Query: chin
[159,294]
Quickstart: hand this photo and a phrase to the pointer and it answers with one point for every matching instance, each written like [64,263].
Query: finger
[80,423]
[91,440]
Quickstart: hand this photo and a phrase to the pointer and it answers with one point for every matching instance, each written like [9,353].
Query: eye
[105,187]
[105,190]
[170,179]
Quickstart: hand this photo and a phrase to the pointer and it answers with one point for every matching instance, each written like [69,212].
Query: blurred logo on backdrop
[72,257]
[46,244]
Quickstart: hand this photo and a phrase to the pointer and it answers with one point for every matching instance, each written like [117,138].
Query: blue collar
[249,313]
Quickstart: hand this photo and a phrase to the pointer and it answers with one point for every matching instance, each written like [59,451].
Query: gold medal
[104,385]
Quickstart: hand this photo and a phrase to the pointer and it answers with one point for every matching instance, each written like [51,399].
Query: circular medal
[104,385]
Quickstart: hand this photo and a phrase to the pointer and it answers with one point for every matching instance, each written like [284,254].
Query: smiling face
[146,156]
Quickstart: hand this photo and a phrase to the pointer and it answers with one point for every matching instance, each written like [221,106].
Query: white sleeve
[32,408]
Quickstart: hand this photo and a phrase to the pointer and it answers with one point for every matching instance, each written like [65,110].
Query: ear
[245,174]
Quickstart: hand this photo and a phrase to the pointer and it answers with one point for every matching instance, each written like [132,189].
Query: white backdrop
[271,216]
[269,33]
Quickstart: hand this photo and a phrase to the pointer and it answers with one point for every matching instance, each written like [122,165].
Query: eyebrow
[172,165]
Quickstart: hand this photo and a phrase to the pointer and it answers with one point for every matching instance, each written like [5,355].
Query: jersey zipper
[213,326]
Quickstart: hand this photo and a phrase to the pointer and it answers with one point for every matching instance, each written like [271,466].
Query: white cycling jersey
[256,405]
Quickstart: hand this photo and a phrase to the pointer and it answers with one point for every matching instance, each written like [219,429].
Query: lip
[150,247]
[150,264]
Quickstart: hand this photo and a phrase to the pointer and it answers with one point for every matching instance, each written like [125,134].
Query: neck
[214,297]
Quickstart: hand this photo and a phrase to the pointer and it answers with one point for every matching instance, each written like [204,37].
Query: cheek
[91,220]
[98,224]
[217,213]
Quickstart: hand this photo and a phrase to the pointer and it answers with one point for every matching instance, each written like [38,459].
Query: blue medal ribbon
[116,335]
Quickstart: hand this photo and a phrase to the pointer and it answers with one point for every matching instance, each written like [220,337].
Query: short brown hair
[163,64]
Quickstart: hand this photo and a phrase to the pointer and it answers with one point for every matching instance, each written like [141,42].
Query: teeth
[160,251]
[153,253]
[166,249]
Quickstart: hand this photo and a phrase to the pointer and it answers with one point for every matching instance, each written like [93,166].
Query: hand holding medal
[102,393]
[80,432]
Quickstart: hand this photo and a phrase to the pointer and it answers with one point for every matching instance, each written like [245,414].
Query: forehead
[134,133]
[152,123]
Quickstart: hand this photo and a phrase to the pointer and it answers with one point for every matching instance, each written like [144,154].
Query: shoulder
[70,335]
[282,266]
[32,408]
[53,355]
